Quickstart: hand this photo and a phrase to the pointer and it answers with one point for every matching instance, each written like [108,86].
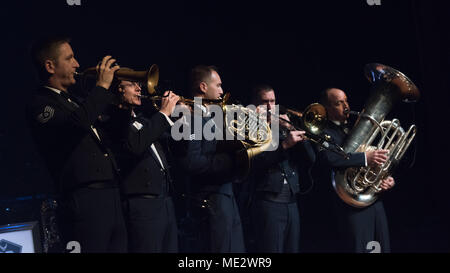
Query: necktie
[72,102]
[69,99]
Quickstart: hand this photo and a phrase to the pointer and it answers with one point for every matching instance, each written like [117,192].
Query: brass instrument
[251,133]
[150,79]
[313,121]
[182,99]
[359,187]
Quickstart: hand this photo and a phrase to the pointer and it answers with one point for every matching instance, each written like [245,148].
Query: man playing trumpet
[140,142]
[74,147]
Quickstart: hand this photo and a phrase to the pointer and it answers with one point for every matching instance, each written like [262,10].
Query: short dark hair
[324,96]
[258,89]
[200,73]
[46,49]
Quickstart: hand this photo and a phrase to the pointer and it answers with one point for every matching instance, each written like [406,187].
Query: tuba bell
[359,187]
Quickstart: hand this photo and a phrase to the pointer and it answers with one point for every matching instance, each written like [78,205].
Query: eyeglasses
[132,84]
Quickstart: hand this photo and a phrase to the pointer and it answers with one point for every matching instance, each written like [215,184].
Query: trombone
[313,121]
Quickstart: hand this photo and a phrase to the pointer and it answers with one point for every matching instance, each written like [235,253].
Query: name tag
[137,125]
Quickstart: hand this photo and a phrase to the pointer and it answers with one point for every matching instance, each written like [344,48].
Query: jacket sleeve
[265,160]
[305,153]
[200,157]
[49,113]
[336,161]
[143,132]
[200,163]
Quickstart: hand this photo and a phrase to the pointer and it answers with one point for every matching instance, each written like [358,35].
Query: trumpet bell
[150,77]
[314,118]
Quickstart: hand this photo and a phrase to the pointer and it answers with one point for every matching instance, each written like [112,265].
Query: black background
[297,47]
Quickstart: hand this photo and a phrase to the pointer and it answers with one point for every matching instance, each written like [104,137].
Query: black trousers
[94,218]
[220,225]
[152,226]
[276,226]
[360,226]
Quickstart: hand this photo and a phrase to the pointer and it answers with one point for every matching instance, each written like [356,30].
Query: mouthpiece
[348,112]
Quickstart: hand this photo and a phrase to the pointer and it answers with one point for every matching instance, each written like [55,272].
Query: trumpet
[157,98]
[149,78]
[312,121]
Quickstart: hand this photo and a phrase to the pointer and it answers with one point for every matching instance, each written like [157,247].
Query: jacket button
[162,170]
[106,155]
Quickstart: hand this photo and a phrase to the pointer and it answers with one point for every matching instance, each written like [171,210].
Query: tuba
[359,187]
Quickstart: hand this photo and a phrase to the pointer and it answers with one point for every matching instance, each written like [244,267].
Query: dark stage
[298,47]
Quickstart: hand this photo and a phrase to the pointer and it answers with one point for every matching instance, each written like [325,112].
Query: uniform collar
[338,123]
[53,89]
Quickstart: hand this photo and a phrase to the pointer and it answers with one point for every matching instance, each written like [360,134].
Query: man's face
[64,67]
[131,92]
[337,104]
[213,88]
[267,98]
[266,102]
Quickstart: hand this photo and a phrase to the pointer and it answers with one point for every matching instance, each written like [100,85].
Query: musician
[276,175]
[74,147]
[212,174]
[140,143]
[357,226]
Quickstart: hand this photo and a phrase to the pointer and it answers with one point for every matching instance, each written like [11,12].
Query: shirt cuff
[365,160]
[168,119]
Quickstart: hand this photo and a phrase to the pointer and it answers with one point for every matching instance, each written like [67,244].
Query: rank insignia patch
[46,115]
